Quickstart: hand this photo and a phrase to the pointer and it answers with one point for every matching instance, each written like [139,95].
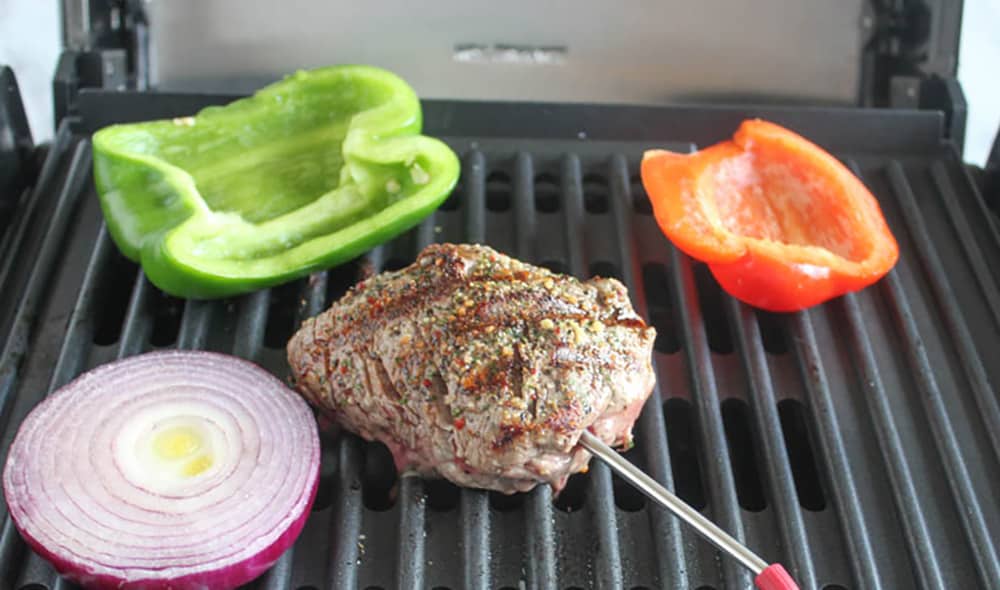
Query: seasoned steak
[479,368]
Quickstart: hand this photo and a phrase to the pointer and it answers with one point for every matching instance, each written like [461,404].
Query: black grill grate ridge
[18,339]
[974,253]
[715,454]
[839,476]
[924,559]
[980,542]
[539,514]
[986,399]
[764,407]
[607,562]
[651,429]
[967,503]
[473,505]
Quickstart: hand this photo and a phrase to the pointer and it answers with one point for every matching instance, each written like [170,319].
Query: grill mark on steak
[385,381]
[366,376]
[442,287]
[517,369]
[472,325]
[324,347]
[508,433]
[443,409]
[397,306]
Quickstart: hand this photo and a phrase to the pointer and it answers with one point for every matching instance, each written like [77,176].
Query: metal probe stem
[647,485]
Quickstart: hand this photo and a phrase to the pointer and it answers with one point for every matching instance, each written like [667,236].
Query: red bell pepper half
[781,223]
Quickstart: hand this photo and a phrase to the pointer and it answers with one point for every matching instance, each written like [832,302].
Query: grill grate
[840,441]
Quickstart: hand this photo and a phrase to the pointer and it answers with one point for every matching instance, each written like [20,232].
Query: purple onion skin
[225,578]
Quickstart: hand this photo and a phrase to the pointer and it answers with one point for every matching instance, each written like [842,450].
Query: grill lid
[858,443]
[850,52]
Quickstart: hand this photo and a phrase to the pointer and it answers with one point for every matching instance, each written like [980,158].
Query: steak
[479,368]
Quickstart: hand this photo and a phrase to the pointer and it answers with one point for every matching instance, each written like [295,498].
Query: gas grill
[857,442]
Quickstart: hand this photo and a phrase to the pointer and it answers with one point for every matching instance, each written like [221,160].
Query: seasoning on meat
[479,368]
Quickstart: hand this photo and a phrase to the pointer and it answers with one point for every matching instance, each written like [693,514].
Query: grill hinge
[915,36]
[105,46]
[102,68]
[913,59]
[933,93]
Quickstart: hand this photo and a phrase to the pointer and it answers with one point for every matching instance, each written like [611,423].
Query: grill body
[858,442]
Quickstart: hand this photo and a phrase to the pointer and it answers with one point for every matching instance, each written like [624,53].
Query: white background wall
[979,74]
[30,40]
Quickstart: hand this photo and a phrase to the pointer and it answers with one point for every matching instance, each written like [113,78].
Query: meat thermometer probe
[768,577]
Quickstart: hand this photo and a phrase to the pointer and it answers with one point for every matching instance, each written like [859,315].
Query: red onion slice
[165,470]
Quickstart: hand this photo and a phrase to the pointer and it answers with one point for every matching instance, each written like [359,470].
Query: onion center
[170,446]
[180,445]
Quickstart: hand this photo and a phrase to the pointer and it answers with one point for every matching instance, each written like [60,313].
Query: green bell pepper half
[307,173]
